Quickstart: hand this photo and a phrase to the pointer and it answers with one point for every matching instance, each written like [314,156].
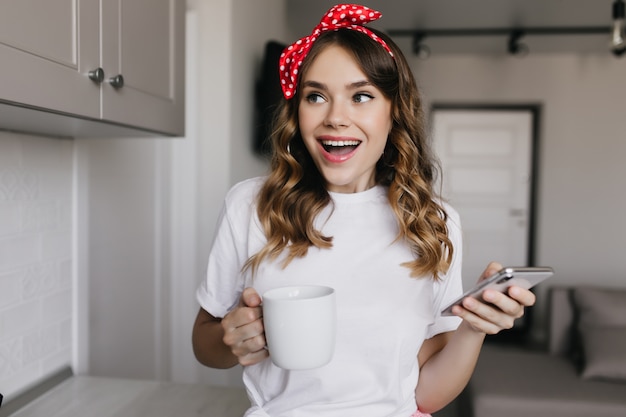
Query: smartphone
[525,277]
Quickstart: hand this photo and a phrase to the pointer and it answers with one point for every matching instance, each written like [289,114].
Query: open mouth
[340,147]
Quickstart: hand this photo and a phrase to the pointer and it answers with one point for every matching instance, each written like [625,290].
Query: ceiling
[476,14]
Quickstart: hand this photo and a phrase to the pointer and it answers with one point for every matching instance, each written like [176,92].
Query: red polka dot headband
[348,16]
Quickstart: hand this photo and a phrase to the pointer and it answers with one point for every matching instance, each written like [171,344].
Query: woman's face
[344,121]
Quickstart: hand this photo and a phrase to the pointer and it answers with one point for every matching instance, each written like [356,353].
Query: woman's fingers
[498,311]
[244,331]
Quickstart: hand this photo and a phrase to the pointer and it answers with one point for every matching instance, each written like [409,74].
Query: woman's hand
[243,329]
[500,310]
[448,360]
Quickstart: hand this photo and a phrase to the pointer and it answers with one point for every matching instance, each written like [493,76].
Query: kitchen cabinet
[80,67]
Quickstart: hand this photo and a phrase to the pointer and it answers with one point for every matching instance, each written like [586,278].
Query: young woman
[349,203]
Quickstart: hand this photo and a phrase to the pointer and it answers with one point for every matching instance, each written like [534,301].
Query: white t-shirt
[383,314]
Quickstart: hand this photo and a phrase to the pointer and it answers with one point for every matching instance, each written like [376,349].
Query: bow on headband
[348,16]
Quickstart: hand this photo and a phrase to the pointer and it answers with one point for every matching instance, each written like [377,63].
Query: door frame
[522,327]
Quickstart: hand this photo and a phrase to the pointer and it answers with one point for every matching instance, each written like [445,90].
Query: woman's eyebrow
[321,86]
[359,84]
[314,84]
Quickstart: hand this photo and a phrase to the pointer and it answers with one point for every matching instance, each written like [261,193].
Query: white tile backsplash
[10,289]
[56,308]
[9,219]
[19,250]
[35,259]
[20,320]
[56,245]
[17,184]
[11,354]
[40,216]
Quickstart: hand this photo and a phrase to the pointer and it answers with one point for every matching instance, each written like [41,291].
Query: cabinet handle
[117,81]
[96,75]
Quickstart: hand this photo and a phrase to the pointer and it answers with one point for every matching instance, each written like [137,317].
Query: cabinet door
[47,49]
[143,41]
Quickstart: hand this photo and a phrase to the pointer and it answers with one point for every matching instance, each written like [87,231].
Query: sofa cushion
[602,332]
[519,383]
[600,306]
[604,350]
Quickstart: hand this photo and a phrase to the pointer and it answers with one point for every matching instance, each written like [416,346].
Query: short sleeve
[221,289]
[450,286]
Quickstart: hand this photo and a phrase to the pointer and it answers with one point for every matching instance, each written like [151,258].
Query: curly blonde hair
[295,193]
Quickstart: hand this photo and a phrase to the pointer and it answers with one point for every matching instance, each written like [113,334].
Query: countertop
[81,396]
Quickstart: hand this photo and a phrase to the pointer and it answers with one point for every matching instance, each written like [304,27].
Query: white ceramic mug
[300,325]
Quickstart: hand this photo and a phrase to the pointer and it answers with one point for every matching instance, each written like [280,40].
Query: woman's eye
[362,97]
[314,98]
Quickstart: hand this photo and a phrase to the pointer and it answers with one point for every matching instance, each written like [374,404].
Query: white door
[486,157]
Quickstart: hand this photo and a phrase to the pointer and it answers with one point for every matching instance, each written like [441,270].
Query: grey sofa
[552,382]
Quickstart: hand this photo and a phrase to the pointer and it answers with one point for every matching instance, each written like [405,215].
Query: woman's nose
[337,115]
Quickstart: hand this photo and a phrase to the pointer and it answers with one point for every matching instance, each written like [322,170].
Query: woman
[349,203]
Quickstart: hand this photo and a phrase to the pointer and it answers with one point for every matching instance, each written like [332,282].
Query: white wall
[254,23]
[580,230]
[125,194]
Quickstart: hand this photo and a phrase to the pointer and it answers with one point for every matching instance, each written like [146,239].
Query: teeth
[338,143]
